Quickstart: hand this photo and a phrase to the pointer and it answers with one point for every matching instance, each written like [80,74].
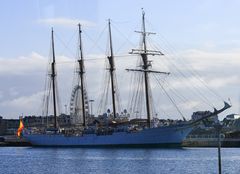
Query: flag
[20,128]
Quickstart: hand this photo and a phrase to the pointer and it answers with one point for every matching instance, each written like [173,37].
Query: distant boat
[113,131]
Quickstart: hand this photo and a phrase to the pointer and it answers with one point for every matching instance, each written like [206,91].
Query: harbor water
[29,160]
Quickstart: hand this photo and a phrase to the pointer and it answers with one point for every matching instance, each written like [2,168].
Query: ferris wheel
[76,105]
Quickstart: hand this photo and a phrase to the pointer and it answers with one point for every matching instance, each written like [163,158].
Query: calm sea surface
[140,161]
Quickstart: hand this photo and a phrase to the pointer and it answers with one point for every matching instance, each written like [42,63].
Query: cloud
[219,82]
[190,104]
[1,94]
[212,82]
[23,76]
[22,65]
[24,100]
[24,104]
[32,63]
[66,22]
[182,83]
[201,60]
[13,91]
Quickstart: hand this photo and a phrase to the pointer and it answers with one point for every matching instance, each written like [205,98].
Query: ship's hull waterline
[169,136]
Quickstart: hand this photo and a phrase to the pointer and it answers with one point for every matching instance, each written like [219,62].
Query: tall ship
[111,129]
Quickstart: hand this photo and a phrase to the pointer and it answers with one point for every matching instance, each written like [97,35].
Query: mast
[146,64]
[81,73]
[53,75]
[144,52]
[112,69]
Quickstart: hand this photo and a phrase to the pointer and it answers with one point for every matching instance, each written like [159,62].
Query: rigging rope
[189,68]
[65,45]
[95,42]
[170,98]
[190,85]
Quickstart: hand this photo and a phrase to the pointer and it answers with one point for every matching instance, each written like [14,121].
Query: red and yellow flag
[20,128]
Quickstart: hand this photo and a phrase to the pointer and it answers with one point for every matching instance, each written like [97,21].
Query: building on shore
[10,126]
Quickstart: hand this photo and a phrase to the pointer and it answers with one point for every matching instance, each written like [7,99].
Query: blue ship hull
[162,136]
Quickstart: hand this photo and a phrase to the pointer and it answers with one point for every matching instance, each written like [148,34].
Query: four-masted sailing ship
[118,133]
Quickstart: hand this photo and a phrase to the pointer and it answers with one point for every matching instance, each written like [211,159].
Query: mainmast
[81,73]
[53,76]
[144,52]
[112,69]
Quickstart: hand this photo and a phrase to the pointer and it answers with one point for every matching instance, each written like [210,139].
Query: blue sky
[205,33]
[187,23]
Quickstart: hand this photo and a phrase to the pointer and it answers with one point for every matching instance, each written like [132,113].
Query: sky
[198,38]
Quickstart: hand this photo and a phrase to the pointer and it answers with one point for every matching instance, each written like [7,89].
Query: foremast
[112,69]
[53,77]
[144,52]
[81,74]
